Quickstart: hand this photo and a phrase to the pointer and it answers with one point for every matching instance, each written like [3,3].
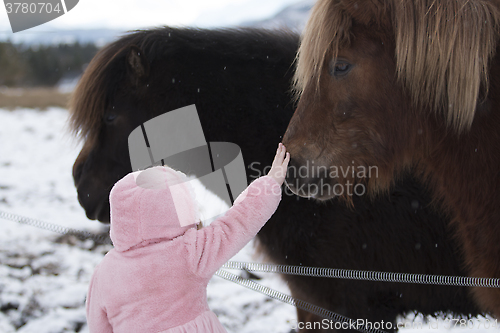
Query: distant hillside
[42,65]
[293,17]
[59,57]
[37,36]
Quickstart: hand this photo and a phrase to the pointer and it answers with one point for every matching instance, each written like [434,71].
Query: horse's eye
[109,118]
[340,68]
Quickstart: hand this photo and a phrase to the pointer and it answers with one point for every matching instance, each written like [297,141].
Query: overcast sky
[133,14]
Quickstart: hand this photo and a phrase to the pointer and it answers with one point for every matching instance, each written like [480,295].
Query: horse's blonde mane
[328,28]
[443,47]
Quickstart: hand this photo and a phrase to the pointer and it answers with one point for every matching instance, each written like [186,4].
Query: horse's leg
[310,322]
[360,305]
[308,319]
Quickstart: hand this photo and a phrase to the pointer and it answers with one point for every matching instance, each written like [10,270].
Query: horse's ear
[374,12]
[137,65]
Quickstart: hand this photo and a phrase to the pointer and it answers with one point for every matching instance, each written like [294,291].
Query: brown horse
[239,81]
[407,84]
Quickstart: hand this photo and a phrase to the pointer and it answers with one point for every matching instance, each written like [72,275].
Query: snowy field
[44,278]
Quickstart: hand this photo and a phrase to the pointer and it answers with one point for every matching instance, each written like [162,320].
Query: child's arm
[97,319]
[217,243]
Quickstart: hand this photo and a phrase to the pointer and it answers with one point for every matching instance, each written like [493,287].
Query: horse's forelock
[88,102]
[327,30]
[443,47]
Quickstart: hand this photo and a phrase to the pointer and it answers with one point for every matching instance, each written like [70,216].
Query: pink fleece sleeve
[212,246]
[97,319]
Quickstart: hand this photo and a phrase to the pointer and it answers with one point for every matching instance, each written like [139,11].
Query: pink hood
[143,209]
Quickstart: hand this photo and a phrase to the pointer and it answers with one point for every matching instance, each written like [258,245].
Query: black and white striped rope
[344,322]
[460,281]
[100,239]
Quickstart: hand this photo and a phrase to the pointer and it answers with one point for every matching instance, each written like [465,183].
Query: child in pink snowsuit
[155,278]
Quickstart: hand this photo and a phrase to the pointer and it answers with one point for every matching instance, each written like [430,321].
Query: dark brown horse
[407,84]
[239,81]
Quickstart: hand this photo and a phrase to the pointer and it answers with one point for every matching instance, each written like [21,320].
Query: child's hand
[280,163]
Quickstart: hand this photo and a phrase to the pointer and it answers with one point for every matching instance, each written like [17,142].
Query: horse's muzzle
[308,180]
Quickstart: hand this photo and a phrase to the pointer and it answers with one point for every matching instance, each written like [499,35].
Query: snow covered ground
[44,278]
[43,282]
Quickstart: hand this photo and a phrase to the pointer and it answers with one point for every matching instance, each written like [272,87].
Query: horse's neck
[464,170]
